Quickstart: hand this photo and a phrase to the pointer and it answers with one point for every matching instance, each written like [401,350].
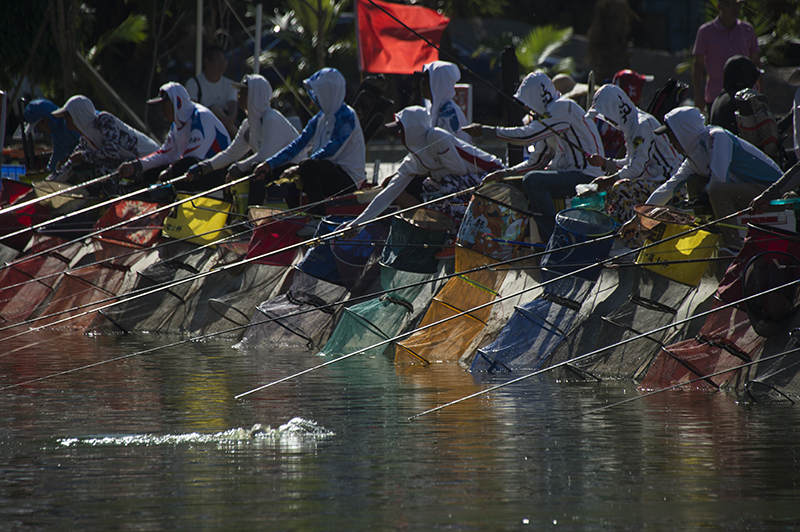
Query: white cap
[30,129]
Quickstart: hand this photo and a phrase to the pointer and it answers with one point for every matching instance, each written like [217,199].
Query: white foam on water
[297,434]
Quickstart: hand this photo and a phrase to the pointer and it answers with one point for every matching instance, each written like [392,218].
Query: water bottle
[588,198]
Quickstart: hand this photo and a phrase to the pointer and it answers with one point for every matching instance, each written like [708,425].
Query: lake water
[157,442]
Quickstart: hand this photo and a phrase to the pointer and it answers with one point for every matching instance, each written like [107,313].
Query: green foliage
[470,8]
[539,44]
[132,30]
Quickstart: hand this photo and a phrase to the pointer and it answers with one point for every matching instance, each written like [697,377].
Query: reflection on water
[157,442]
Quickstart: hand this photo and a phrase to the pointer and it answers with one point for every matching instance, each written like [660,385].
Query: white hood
[688,126]
[416,123]
[326,88]
[611,104]
[259,94]
[537,92]
[83,113]
[181,103]
[443,77]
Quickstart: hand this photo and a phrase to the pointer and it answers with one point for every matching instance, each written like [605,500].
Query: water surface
[157,442]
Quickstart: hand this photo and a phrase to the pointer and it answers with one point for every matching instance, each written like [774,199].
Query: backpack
[667,98]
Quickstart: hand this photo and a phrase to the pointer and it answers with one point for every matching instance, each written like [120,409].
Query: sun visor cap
[30,129]
[162,97]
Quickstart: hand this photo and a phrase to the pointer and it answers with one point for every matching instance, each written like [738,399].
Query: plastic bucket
[580,231]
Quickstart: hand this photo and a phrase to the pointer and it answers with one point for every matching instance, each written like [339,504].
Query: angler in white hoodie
[448,164]
[733,170]
[439,80]
[106,141]
[334,137]
[649,158]
[562,139]
[262,134]
[195,134]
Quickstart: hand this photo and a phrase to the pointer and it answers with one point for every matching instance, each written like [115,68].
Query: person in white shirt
[212,89]
[262,134]
[562,138]
[649,158]
[448,164]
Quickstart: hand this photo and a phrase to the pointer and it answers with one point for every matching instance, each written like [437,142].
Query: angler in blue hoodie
[39,116]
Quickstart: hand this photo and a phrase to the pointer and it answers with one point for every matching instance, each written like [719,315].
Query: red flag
[387,47]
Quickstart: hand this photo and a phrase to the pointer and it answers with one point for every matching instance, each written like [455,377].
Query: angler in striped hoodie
[560,140]
[649,158]
[445,163]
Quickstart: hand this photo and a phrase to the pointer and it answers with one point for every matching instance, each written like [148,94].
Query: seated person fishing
[649,158]
[38,114]
[438,85]
[443,163]
[730,170]
[562,138]
[336,142]
[106,141]
[262,134]
[195,134]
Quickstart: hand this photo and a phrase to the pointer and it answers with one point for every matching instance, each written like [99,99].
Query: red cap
[632,83]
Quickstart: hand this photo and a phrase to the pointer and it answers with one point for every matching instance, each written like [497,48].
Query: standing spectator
[739,73]
[716,41]
[39,117]
[212,89]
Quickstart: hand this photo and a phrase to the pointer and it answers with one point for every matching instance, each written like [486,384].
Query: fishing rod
[656,392]
[274,218]
[603,349]
[490,303]
[18,206]
[240,327]
[516,101]
[93,207]
[125,222]
[310,242]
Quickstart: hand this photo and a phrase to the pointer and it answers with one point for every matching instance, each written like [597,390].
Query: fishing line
[92,207]
[311,242]
[17,206]
[464,67]
[275,217]
[602,349]
[651,393]
[484,305]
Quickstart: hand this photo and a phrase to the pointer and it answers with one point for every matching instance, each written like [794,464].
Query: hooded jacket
[64,140]
[647,155]
[334,133]
[738,73]
[106,141]
[263,133]
[195,131]
[714,153]
[558,119]
[432,151]
[444,112]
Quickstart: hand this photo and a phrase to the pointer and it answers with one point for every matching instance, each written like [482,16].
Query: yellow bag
[204,217]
